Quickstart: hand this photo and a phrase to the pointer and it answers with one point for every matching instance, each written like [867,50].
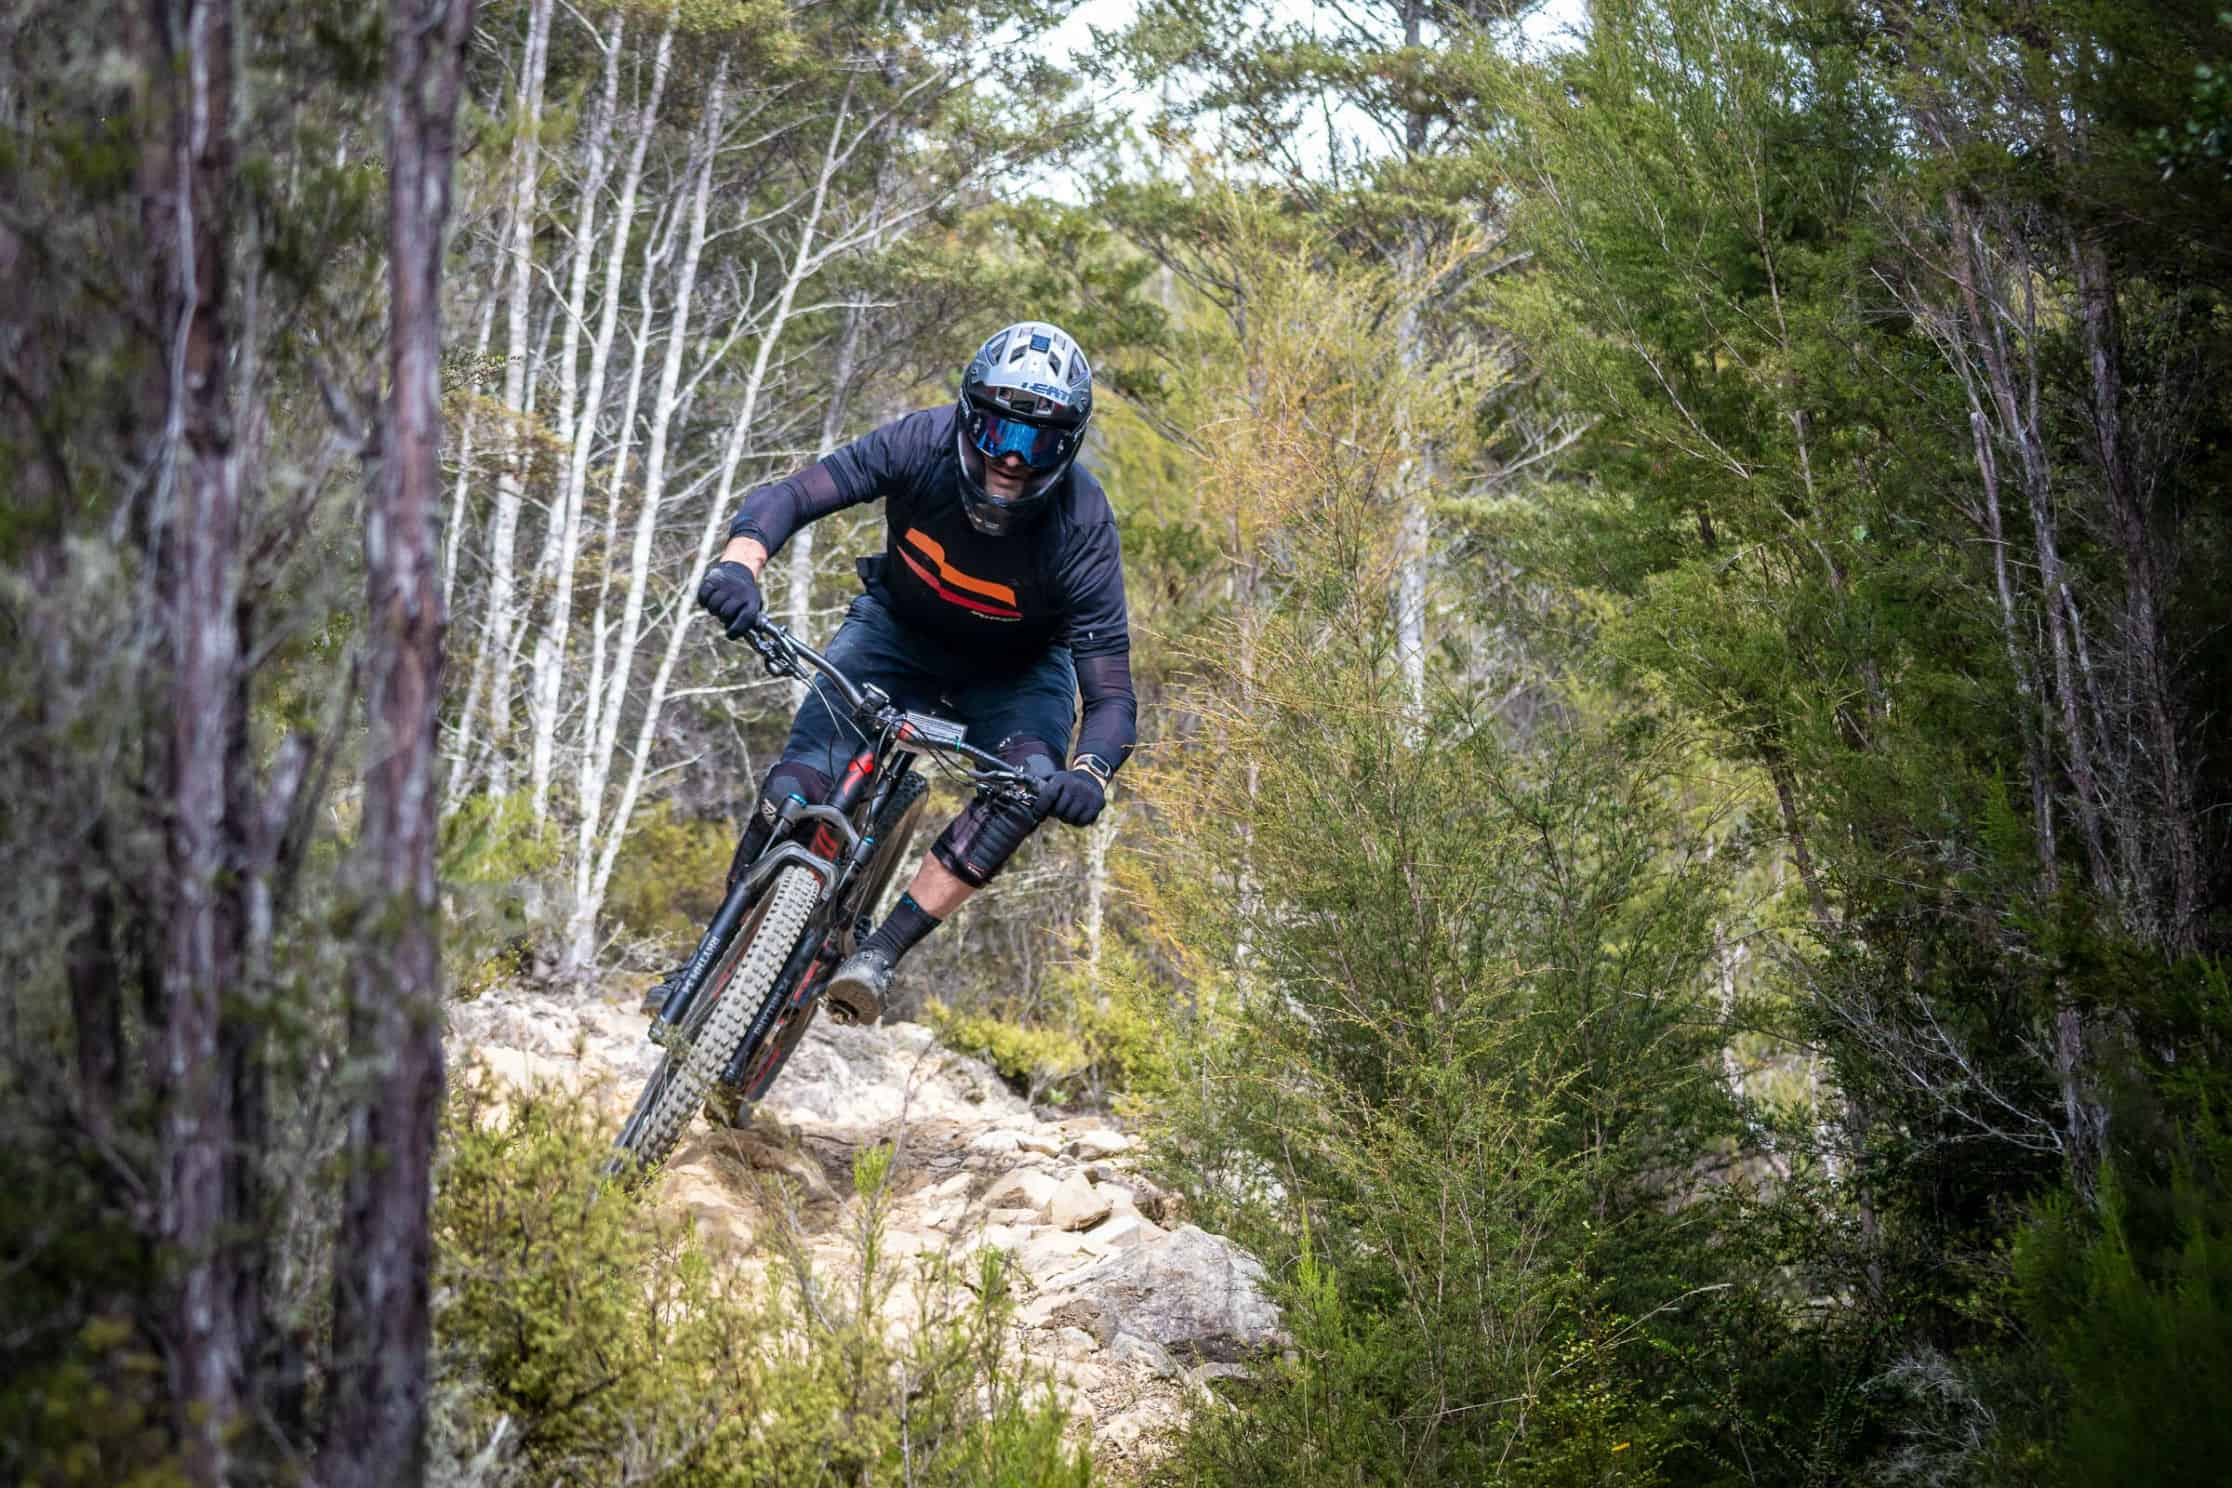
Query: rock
[1077,1205]
[1150,1200]
[1202,1374]
[1122,1230]
[1074,1343]
[1196,1294]
[1069,1311]
[869,1077]
[1049,1252]
[1099,1143]
[978,1171]
[1004,1237]
[1130,1348]
[1073,1377]
[1141,1433]
[1119,1196]
[940,1216]
[1026,1188]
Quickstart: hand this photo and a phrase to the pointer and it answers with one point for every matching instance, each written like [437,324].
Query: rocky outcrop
[1190,1293]
[1130,1308]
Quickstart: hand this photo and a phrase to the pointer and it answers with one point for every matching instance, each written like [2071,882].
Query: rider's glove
[732,594]
[1075,796]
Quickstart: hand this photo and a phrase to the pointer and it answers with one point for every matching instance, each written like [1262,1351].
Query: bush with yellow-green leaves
[585,1337]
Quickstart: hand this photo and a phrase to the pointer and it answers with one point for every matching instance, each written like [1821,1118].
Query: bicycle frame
[839,851]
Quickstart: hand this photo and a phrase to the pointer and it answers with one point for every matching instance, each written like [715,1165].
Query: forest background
[1676,887]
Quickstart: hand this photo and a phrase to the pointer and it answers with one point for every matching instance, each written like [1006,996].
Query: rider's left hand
[1073,796]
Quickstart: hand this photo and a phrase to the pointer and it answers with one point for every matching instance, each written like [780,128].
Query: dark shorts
[1038,701]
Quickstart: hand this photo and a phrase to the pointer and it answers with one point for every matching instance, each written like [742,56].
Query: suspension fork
[828,845]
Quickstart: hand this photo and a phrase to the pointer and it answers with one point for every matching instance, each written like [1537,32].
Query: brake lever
[1024,784]
[773,653]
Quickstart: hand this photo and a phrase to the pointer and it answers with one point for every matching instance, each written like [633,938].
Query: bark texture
[376,1428]
[187,181]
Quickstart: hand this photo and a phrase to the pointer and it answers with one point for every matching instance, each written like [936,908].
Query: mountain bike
[729,1023]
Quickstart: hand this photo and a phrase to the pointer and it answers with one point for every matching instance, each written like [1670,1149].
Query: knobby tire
[676,1094]
[894,828]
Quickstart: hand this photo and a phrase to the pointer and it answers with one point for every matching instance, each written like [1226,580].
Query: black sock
[907,924]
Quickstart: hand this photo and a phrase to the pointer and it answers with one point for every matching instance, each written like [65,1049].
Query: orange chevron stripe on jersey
[933,550]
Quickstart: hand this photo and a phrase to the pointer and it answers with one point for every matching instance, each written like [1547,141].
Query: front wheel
[684,1077]
[894,830]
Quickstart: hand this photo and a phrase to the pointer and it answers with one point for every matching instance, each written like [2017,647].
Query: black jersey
[991,604]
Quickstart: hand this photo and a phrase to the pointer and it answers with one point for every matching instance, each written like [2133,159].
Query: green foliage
[494,865]
[84,1396]
[2139,1333]
[1443,1055]
[2203,139]
[590,1339]
[1089,1036]
[1029,1057]
[670,875]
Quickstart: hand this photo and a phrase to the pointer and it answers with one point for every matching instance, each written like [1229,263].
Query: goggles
[1040,447]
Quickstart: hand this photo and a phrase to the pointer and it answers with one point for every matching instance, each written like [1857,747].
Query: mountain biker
[998,601]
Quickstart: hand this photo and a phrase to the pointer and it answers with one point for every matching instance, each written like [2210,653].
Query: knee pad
[788,778]
[976,845]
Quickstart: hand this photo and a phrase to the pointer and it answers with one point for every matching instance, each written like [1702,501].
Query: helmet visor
[1039,446]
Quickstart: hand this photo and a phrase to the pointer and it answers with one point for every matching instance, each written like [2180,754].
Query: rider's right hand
[732,593]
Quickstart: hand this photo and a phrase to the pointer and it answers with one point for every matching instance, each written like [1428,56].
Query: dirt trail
[1132,1309]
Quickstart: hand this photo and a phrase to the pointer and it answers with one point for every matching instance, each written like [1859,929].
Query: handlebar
[783,652]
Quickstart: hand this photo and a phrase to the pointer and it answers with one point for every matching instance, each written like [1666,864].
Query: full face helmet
[1028,392]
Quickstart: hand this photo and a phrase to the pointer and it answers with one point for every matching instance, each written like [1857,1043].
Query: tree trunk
[375,1429]
[804,263]
[1098,839]
[576,425]
[599,751]
[2146,652]
[490,673]
[453,539]
[2034,723]
[2018,415]
[1413,480]
[799,610]
[192,61]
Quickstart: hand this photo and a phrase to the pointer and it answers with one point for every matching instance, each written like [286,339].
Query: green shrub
[670,875]
[496,870]
[84,1397]
[2139,1334]
[1032,1057]
[584,1337]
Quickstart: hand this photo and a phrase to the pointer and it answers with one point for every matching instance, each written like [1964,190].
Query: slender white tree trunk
[489,665]
[646,118]
[1098,840]
[596,760]
[1412,480]
[594,878]
[597,763]
[562,545]
[799,610]
[1410,494]
[460,504]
